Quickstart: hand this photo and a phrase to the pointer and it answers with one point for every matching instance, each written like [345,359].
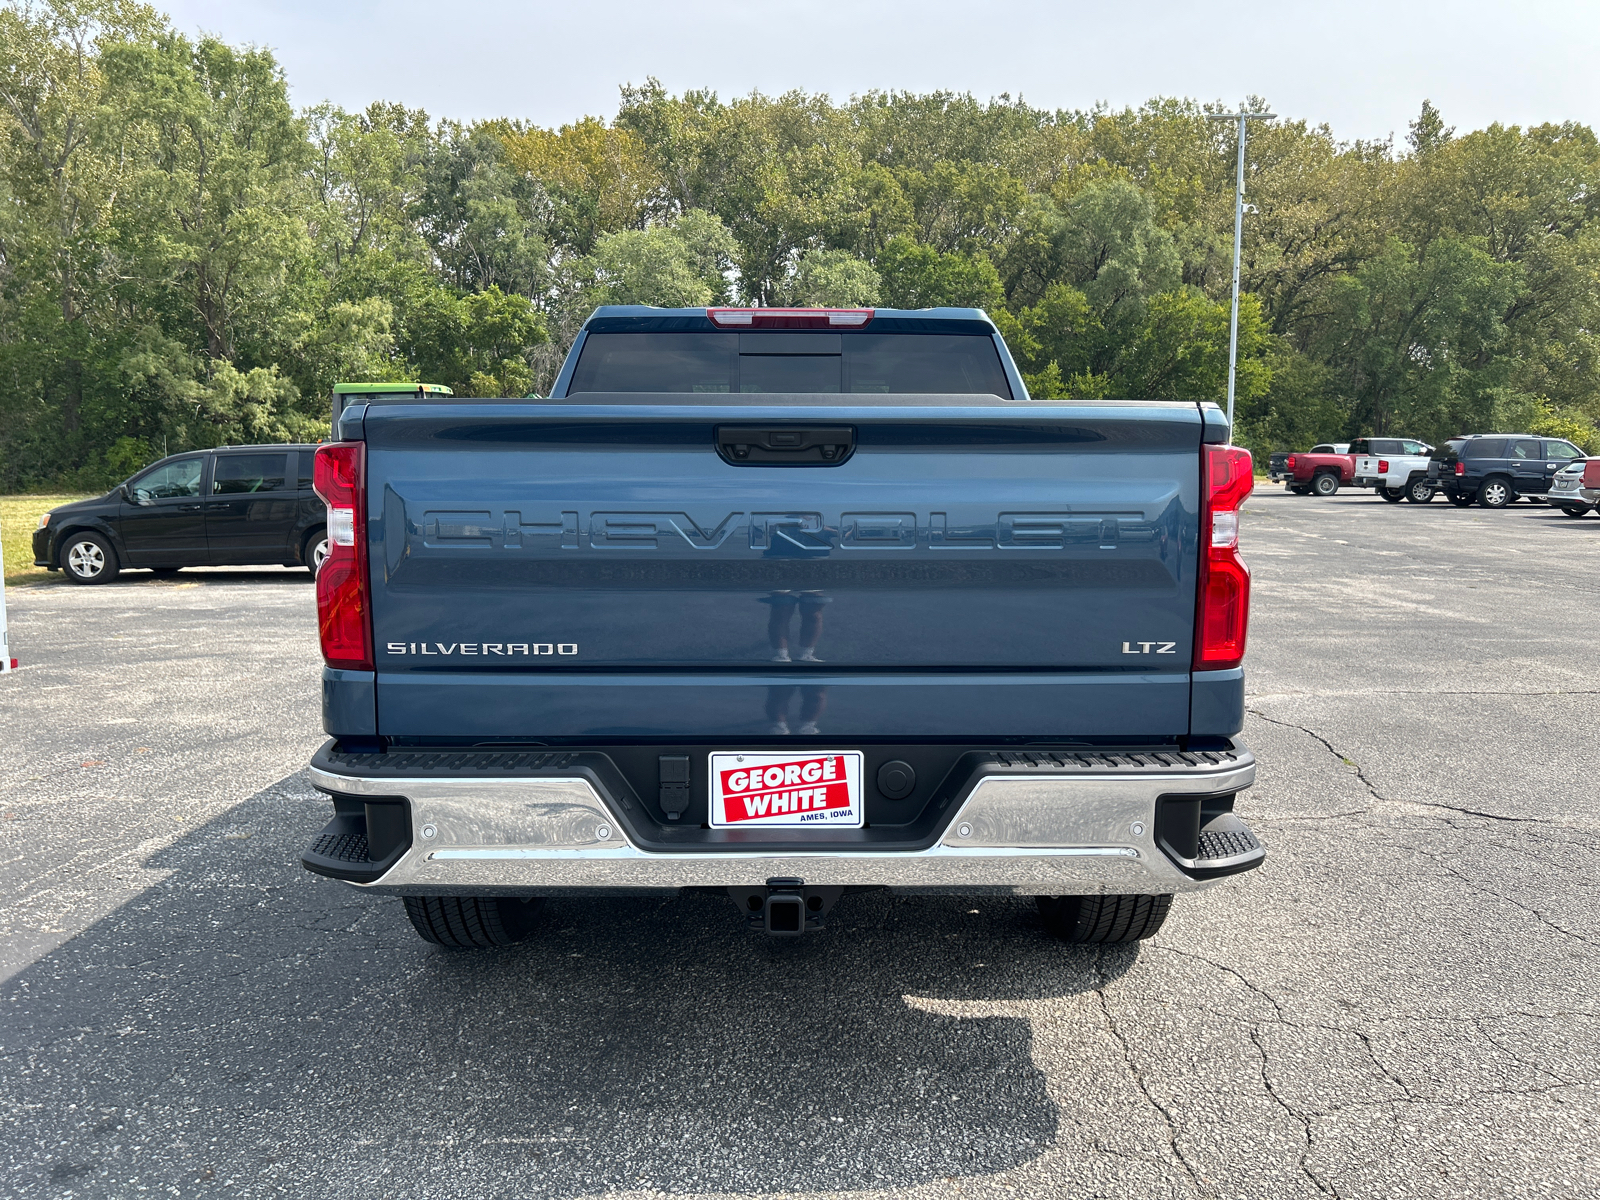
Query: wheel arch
[303,538]
[1512,495]
[93,525]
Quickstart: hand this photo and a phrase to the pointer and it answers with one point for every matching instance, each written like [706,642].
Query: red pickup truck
[1321,470]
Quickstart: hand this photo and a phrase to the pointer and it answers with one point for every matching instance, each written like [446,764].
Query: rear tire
[1573,510]
[1325,484]
[1419,491]
[1392,495]
[1495,493]
[1103,920]
[473,922]
[89,558]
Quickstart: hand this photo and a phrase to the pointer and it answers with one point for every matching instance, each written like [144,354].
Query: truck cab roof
[641,318]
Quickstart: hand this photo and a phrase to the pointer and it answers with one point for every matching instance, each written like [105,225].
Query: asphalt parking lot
[1401,1002]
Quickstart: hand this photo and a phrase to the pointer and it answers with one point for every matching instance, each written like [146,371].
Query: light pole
[5,637]
[1238,234]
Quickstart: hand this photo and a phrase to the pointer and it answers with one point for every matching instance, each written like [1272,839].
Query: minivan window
[181,478]
[1483,448]
[236,474]
[757,363]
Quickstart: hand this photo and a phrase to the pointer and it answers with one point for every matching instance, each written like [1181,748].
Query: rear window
[757,363]
[243,474]
[1482,448]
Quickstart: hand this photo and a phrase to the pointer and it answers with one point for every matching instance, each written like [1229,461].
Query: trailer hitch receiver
[786,907]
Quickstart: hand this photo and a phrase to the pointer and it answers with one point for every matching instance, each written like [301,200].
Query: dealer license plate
[819,788]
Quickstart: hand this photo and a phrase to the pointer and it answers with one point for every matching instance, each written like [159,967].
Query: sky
[1362,67]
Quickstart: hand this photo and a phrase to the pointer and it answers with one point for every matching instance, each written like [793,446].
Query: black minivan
[1495,468]
[235,505]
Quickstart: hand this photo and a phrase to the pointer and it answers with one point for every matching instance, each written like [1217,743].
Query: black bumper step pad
[443,762]
[1226,843]
[341,847]
[401,762]
[361,827]
[1119,760]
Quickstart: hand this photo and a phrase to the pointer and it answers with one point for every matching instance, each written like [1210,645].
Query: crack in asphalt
[1451,870]
[1303,1160]
[1195,1178]
[1391,1104]
[1371,787]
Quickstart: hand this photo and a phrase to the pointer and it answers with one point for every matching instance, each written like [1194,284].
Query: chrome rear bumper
[1057,833]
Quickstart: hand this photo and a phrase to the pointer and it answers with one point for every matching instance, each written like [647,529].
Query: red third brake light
[344,613]
[1222,610]
[789,318]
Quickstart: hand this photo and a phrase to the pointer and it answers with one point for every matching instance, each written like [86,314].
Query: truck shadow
[247,1021]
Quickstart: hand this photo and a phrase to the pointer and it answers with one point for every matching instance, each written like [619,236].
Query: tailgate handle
[785,445]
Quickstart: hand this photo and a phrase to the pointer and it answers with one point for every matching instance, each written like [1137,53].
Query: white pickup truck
[1397,468]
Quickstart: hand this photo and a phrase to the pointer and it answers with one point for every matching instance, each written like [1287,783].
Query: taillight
[1383,466]
[1222,610]
[1461,468]
[789,318]
[1289,463]
[344,612]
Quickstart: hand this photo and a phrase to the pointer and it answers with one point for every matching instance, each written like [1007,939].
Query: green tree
[477,215]
[1417,337]
[834,279]
[918,276]
[683,264]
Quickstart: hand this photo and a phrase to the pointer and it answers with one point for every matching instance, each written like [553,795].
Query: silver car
[1568,493]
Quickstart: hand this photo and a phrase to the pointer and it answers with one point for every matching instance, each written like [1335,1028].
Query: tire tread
[1104,920]
[466,922]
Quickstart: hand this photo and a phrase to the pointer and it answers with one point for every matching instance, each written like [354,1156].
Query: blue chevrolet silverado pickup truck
[784,604]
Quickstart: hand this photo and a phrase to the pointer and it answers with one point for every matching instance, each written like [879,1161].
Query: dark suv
[1495,468]
[231,505]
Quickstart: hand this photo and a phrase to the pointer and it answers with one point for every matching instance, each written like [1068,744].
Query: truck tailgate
[559,569]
